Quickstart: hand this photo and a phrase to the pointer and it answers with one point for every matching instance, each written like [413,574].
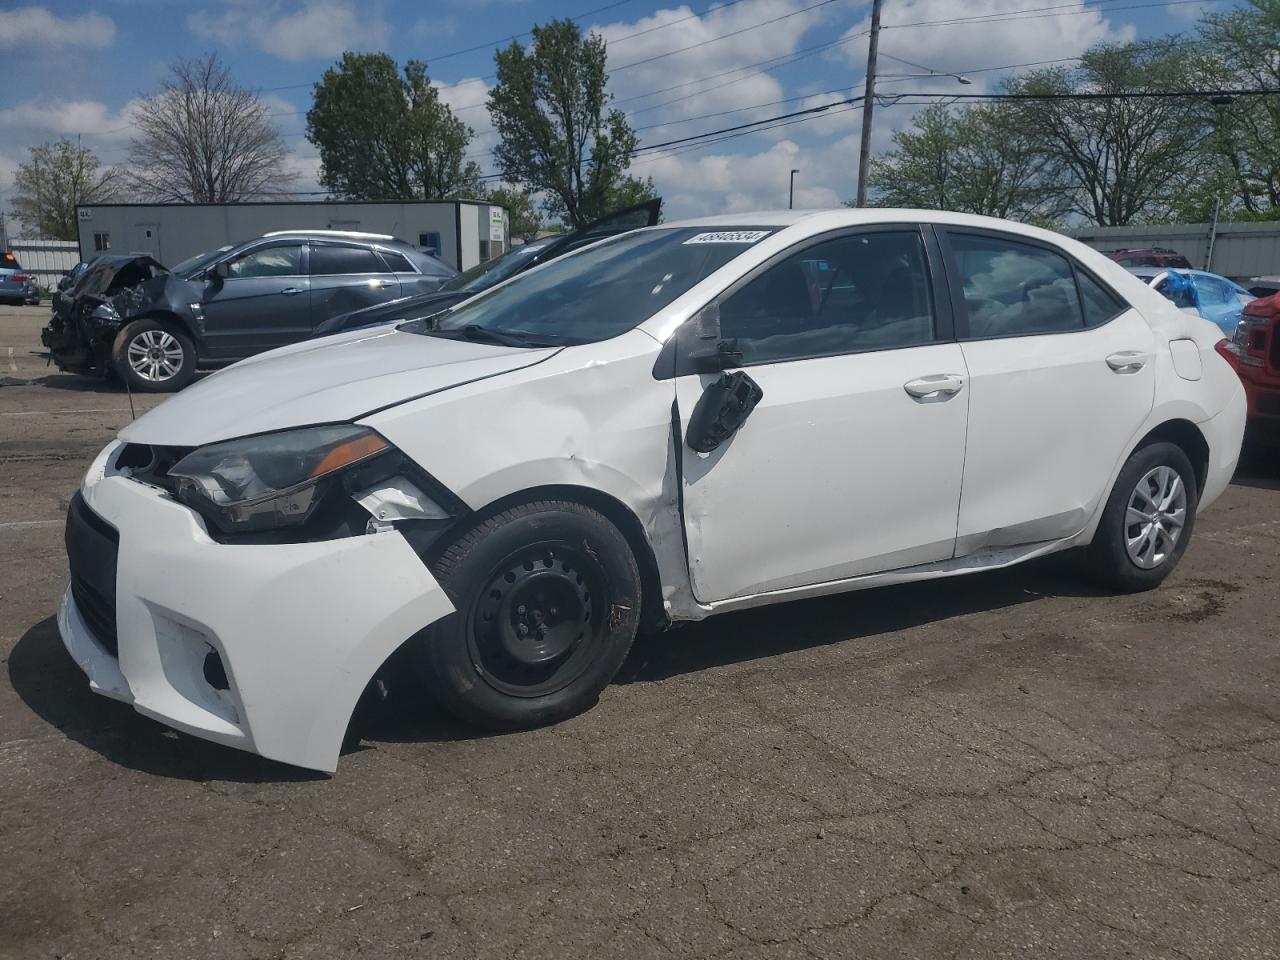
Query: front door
[264,294]
[851,462]
[1061,376]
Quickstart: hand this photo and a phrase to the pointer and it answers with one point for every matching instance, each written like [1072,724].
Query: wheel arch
[652,612]
[1187,436]
[168,318]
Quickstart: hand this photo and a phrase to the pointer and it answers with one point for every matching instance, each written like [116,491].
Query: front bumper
[298,630]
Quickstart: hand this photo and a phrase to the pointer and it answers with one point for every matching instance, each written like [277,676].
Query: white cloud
[319,29]
[28,26]
[89,118]
[466,99]
[695,99]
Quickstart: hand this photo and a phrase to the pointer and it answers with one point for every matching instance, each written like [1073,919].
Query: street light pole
[868,102]
[791,194]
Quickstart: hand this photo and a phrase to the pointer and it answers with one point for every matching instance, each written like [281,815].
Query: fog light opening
[214,673]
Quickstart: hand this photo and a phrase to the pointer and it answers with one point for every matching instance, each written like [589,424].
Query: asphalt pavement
[1010,764]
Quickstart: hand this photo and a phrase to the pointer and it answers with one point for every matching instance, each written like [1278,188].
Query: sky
[79,69]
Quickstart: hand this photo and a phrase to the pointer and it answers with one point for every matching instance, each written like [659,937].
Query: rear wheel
[153,358]
[547,601]
[1148,519]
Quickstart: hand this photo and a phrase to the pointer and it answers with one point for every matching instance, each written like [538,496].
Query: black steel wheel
[547,601]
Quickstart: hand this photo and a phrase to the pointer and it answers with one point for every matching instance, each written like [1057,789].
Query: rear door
[1061,376]
[345,277]
[263,297]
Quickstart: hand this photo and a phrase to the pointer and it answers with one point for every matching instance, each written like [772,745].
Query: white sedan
[692,418]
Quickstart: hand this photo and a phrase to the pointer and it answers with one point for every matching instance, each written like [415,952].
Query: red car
[1254,351]
[1161,257]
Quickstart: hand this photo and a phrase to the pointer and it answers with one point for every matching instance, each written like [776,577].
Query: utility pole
[791,194]
[868,102]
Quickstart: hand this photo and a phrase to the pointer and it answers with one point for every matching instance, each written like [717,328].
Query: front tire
[1147,522]
[153,358]
[547,602]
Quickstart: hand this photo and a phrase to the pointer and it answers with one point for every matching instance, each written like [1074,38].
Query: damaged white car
[691,418]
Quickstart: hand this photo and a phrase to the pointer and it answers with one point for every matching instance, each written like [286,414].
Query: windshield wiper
[508,338]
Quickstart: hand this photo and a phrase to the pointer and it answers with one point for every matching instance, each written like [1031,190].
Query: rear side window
[846,295]
[396,261]
[330,259]
[1100,304]
[1015,289]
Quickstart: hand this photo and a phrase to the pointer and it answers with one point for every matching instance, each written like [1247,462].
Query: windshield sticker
[730,236]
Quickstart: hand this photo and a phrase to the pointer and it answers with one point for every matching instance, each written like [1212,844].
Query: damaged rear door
[851,458]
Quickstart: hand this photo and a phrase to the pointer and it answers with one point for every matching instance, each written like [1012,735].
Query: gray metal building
[462,233]
[1240,250]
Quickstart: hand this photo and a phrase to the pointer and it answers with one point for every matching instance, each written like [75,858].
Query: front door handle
[941,386]
[290,291]
[1128,361]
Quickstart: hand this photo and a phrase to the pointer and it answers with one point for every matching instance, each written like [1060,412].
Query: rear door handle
[1128,361]
[290,291]
[941,386]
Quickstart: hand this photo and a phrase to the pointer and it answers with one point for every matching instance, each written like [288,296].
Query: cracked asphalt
[1006,765]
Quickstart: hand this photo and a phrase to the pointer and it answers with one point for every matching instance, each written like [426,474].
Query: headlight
[272,480]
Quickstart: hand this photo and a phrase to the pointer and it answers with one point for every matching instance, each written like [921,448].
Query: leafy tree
[549,108]
[1121,159]
[1242,51]
[526,222]
[975,160]
[383,135]
[205,139]
[47,188]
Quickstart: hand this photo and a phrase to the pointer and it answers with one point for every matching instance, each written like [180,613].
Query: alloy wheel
[1155,517]
[155,355]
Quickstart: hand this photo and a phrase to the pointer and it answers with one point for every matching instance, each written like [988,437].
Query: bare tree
[205,139]
[59,175]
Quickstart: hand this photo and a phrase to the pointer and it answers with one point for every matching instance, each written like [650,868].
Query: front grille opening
[98,612]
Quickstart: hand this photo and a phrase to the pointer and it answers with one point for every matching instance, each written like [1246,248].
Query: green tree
[48,186]
[974,160]
[383,135]
[1121,159]
[1242,51]
[526,222]
[549,108]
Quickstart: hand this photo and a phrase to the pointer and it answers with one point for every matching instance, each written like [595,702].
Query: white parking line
[22,524]
[13,364]
[59,413]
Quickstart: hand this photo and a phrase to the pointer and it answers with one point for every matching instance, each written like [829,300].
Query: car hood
[337,379]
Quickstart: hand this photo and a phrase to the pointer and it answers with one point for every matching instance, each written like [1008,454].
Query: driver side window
[851,294]
[284,260]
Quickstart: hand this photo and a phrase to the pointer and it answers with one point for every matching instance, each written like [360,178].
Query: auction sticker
[730,236]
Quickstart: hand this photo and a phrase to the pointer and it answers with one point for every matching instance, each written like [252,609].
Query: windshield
[198,262]
[599,293]
[485,275]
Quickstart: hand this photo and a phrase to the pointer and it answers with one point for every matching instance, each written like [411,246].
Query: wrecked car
[687,419]
[130,318]
[1196,291]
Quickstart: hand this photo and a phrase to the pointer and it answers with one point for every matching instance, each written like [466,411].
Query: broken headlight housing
[272,480]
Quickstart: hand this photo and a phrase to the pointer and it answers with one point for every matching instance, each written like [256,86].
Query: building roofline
[293,203]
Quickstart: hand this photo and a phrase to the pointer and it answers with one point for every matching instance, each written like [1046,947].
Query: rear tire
[151,357]
[1147,522]
[547,602]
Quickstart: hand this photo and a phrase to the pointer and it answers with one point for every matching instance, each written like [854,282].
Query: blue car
[1213,297]
[16,286]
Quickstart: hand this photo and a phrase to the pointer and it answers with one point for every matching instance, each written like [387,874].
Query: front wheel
[547,602]
[1148,519]
[153,358]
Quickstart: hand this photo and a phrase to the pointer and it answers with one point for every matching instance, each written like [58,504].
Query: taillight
[20,278]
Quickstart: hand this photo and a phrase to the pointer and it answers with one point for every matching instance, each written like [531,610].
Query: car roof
[331,235]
